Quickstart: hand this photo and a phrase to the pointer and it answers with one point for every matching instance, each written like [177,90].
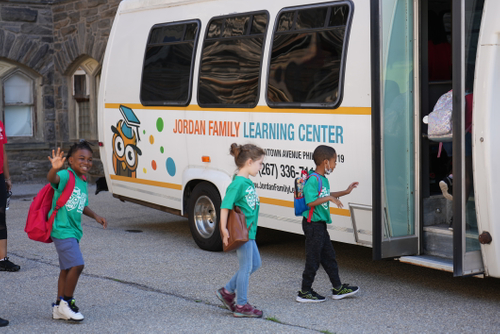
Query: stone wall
[26,37]
[81,29]
[51,38]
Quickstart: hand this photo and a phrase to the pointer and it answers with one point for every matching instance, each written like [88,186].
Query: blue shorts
[69,253]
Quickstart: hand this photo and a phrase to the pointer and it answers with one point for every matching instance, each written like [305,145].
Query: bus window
[307,59]
[168,64]
[231,60]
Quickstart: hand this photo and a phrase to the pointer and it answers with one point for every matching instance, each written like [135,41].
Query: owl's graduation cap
[131,122]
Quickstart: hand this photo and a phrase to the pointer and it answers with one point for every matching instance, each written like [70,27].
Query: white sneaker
[56,315]
[69,310]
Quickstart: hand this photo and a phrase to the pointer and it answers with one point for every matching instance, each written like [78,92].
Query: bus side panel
[486,121]
[166,144]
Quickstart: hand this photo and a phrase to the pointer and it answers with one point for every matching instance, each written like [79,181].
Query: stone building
[51,52]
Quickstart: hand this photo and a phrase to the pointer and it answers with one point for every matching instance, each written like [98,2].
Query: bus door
[411,217]
[466,20]
[449,32]
[395,227]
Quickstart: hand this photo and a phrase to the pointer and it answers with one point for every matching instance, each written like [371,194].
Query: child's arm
[224,213]
[89,213]
[57,162]
[338,194]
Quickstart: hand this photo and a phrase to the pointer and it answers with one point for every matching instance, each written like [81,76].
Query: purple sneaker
[247,311]
[227,299]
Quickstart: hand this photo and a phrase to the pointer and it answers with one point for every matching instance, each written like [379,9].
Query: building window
[80,84]
[82,106]
[18,105]
[231,61]
[308,55]
[168,64]
[83,85]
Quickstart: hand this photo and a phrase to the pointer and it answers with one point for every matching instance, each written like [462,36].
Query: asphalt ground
[158,280]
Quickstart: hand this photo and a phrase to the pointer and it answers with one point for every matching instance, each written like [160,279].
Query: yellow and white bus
[183,79]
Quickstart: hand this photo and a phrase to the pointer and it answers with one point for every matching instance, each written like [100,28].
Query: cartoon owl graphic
[125,151]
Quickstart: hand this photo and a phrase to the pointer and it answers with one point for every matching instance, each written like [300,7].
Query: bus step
[428,261]
[438,241]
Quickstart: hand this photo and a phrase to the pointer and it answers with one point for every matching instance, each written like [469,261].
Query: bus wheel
[204,212]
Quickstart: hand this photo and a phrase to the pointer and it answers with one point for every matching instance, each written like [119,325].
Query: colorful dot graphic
[144,170]
[143,131]
[159,124]
[151,139]
[162,150]
[153,165]
[170,166]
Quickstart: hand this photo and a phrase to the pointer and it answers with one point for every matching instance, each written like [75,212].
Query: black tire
[203,216]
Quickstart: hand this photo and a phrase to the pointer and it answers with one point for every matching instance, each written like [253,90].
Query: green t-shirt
[321,212]
[68,222]
[241,192]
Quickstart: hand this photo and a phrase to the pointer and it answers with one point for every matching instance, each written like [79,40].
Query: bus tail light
[101,144]
[205,158]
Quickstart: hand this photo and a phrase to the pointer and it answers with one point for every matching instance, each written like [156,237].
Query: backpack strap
[320,185]
[63,199]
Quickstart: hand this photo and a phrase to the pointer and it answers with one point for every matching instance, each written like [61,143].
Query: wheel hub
[205,216]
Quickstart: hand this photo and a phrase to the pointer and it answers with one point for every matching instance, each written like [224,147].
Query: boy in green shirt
[319,248]
[67,228]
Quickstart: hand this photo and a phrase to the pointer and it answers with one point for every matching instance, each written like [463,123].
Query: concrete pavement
[158,280]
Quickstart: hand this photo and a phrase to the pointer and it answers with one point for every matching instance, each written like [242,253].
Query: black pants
[319,250]
[3,203]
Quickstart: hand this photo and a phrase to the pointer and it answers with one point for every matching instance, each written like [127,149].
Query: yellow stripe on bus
[261,109]
[265,200]
[146,182]
[289,204]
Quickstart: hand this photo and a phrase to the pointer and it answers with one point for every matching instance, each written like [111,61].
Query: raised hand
[57,159]
[352,186]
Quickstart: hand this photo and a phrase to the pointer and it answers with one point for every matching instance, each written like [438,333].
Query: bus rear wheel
[204,213]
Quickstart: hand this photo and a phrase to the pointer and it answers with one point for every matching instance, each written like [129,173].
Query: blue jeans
[249,261]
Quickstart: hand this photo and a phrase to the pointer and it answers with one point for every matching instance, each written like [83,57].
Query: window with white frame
[18,105]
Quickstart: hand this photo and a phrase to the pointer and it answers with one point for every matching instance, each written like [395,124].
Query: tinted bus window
[231,61]
[168,64]
[307,59]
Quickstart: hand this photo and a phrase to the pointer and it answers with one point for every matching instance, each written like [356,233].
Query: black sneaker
[3,322]
[446,186]
[6,265]
[344,291]
[309,297]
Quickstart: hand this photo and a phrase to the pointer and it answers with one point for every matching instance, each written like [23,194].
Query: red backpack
[38,226]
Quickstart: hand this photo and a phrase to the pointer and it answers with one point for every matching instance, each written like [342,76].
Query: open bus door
[398,220]
[466,21]
[394,230]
